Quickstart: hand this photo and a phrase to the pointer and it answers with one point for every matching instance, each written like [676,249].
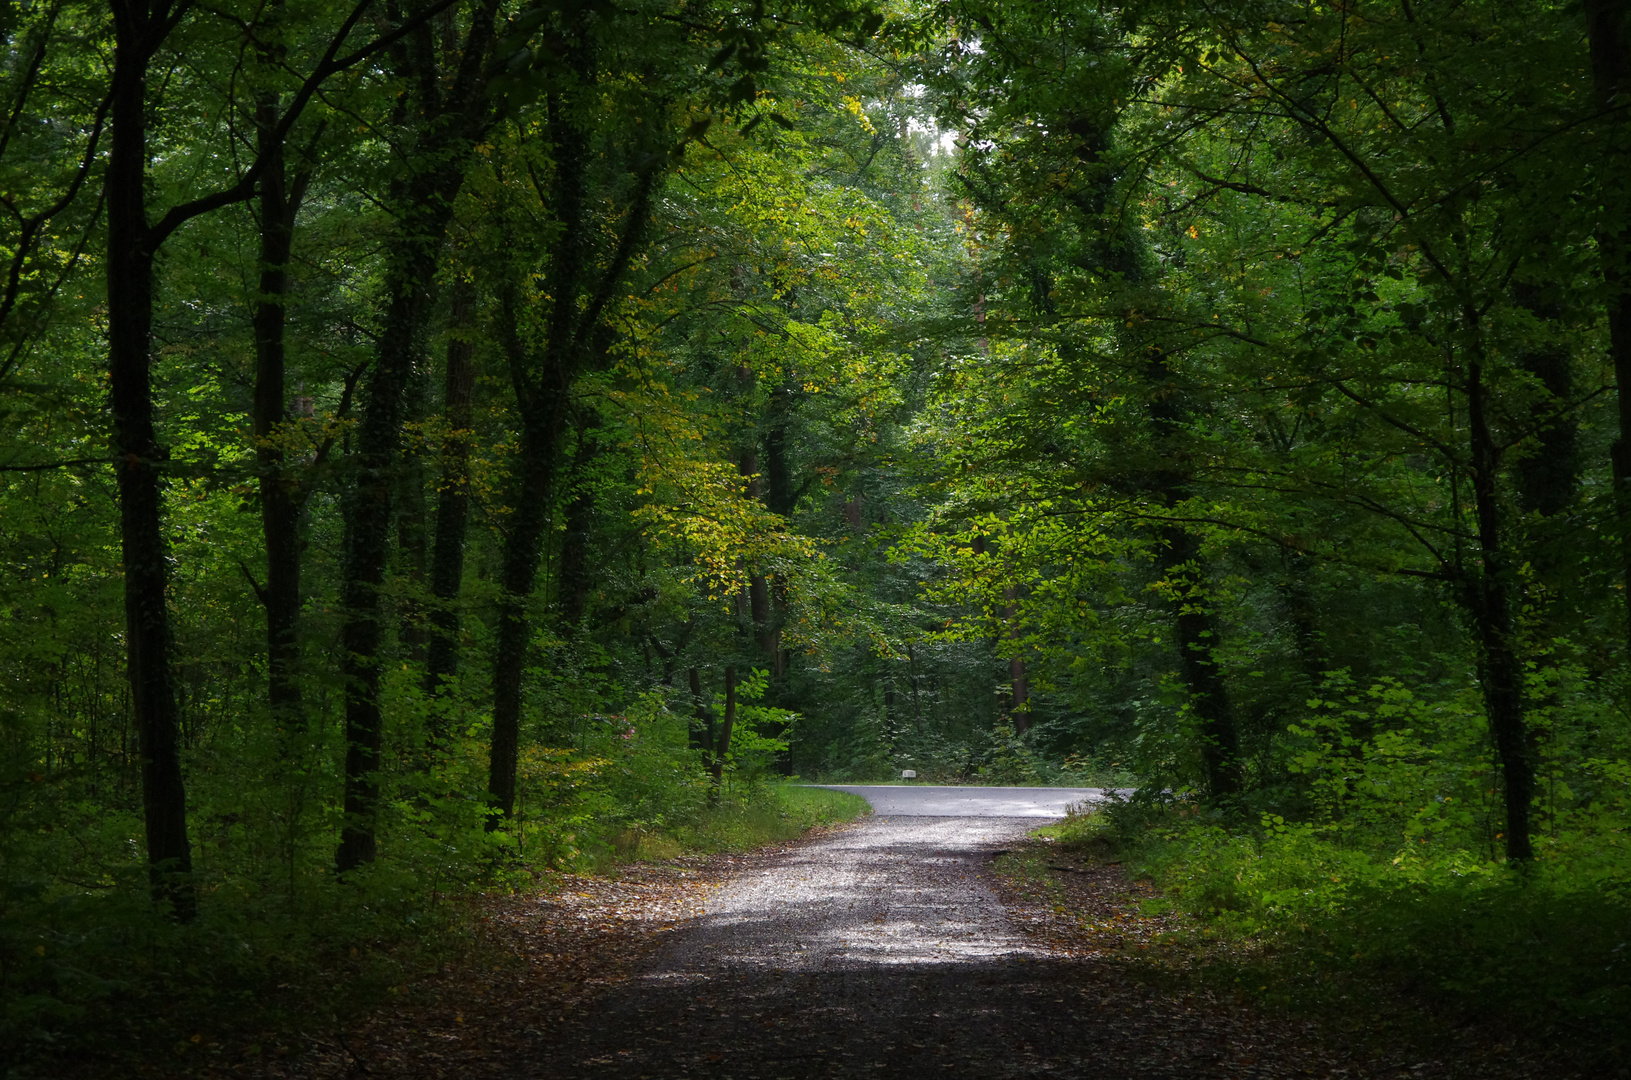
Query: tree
[140,32]
[445,110]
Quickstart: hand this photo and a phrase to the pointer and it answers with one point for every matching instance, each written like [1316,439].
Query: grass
[1422,951]
[769,815]
[247,971]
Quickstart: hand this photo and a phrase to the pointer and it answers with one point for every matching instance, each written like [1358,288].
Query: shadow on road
[996,1017]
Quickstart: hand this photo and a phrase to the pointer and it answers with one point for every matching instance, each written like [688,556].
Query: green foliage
[1039,394]
[1543,948]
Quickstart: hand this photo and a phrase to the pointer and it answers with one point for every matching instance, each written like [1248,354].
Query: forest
[446,442]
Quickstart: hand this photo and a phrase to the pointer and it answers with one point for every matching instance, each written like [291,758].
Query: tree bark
[140,459]
[576,578]
[1019,686]
[282,501]
[1019,697]
[133,242]
[1297,595]
[781,498]
[722,741]
[425,200]
[1197,635]
[452,501]
[412,526]
[1492,611]
[1610,40]
[758,591]
[702,732]
[1194,622]
[523,549]
[576,337]
[368,510]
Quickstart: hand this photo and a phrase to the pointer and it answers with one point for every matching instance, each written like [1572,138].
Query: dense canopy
[442,440]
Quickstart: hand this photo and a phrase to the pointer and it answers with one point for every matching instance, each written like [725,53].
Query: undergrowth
[1430,935]
[93,975]
[768,814]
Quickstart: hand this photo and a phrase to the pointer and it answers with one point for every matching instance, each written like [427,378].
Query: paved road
[900,800]
[880,951]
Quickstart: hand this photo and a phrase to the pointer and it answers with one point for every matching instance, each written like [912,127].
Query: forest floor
[893,947]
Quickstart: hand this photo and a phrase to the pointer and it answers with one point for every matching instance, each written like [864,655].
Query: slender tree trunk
[523,549]
[412,526]
[577,575]
[1610,37]
[782,499]
[764,634]
[1492,611]
[452,501]
[1197,635]
[139,461]
[780,496]
[368,525]
[1549,478]
[702,733]
[917,704]
[542,380]
[722,742]
[1019,697]
[1194,622]
[575,293]
[281,500]
[1297,595]
[449,128]
[1019,686]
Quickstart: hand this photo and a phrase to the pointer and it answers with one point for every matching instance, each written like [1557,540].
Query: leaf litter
[562,982]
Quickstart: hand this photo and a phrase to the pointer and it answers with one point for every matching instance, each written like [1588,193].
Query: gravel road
[927,800]
[881,950]
[890,948]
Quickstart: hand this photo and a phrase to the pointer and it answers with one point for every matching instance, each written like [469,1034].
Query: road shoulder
[1080,901]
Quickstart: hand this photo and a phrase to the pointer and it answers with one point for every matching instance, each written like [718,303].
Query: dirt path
[884,950]
[891,948]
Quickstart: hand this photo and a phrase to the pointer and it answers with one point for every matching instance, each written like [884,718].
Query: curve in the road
[928,800]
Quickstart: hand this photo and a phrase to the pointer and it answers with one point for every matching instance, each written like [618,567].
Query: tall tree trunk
[1019,696]
[758,593]
[702,729]
[449,129]
[781,498]
[1194,622]
[133,242]
[1297,594]
[1019,686]
[1549,478]
[722,741]
[576,577]
[575,293]
[413,261]
[452,500]
[1610,38]
[1492,611]
[139,461]
[780,495]
[281,499]
[523,548]
[1197,634]
[917,704]
[412,526]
